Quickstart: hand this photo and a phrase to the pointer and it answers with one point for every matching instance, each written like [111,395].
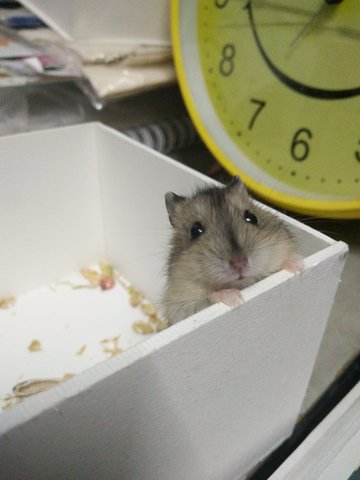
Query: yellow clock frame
[307,204]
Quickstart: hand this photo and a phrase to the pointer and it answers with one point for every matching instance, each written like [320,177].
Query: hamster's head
[222,238]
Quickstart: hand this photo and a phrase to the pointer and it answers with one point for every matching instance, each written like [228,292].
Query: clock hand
[308,26]
[304,89]
[323,13]
[351,33]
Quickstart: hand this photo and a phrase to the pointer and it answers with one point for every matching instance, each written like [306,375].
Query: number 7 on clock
[260,104]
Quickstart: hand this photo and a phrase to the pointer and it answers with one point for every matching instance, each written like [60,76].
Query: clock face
[274,88]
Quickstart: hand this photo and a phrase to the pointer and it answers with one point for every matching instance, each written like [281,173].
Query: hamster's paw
[294,264]
[230,297]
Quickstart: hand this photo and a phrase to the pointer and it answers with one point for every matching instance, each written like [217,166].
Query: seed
[90,275]
[142,327]
[159,325]
[136,298]
[7,302]
[31,387]
[149,309]
[107,270]
[35,346]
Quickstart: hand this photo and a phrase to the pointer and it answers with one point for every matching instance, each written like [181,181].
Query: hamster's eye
[250,217]
[197,229]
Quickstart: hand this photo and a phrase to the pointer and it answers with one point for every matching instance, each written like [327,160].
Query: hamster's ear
[172,202]
[236,186]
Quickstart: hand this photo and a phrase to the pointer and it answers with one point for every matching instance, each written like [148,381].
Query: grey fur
[197,268]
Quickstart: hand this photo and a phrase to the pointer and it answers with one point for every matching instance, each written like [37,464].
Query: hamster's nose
[238,263]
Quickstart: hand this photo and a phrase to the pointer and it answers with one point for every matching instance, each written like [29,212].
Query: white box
[204,399]
[135,21]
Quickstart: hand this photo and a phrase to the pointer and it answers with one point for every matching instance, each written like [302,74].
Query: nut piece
[7,302]
[106,270]
[136,297]
[159,325]
[142,327]
[35,346]
[92,276]
[149,309]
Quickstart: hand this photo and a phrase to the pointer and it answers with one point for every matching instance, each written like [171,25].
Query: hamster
[222,242]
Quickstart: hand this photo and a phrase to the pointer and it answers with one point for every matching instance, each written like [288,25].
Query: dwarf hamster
[222,242]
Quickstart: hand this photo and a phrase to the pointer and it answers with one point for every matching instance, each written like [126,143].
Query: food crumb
[149,309]
[35,346]
[31,387]
[136,297]
[153,324]
[7,302]
[108,340]
[107,270]
[113,351]
[159,324]
[104,279]
[107,283]
[111,345]
[142,327]
[9,401]
[81,350]
[91,276]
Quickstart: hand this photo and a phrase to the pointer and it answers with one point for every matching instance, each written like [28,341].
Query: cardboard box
[204,399]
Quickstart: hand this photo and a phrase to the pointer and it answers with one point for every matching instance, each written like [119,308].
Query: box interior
[73,196]
[70,198]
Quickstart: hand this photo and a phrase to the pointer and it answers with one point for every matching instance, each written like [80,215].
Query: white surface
[331,451]
[64,320]
[138,21]
[50,211]
[205,399]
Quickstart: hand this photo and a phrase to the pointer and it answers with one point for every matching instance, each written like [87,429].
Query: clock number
[260,105]
[221,4]
[357,153]
[300,147]
[226,65]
